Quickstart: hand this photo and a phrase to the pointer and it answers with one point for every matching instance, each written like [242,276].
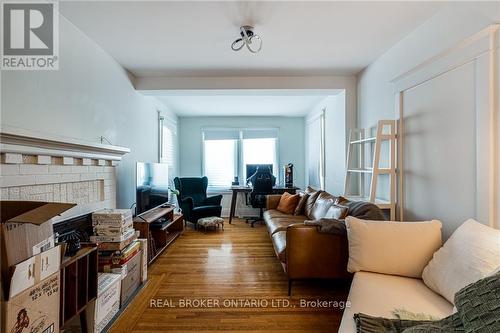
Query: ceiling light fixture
[252,41]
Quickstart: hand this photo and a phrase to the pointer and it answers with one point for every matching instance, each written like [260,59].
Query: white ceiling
[244,102]
[193,38]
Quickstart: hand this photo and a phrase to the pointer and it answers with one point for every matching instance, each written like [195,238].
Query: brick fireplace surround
[55,169]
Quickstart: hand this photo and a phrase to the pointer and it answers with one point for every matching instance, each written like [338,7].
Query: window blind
[221,134]
[264,133]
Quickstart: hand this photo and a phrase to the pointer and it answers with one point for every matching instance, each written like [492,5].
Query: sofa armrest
[214,200]
[311,254]
[272,201]
[186,203]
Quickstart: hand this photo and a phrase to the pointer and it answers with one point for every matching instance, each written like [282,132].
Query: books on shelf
[113,261]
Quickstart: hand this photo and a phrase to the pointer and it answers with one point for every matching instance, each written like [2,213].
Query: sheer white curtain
[168,145]
[316,155]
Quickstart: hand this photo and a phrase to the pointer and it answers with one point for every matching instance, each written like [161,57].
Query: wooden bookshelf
[78,283]
[159,239]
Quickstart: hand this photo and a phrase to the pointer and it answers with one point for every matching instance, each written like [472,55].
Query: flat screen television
[151,186]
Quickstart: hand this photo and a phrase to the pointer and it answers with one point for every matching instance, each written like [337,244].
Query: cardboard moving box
[32,294]
[132,278]
[26,229]
[107,304]
[144,259]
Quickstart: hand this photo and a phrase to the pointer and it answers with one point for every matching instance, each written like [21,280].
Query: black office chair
[262,182]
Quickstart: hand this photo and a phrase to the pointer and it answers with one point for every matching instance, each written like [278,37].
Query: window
[226,152]
[168,145]
[259,151]
[220,162]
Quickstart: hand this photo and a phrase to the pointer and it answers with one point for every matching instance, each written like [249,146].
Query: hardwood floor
[237,270]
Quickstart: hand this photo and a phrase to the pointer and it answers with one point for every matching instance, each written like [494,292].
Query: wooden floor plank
[230,267]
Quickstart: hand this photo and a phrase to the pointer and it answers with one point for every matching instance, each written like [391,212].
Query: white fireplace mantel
[40,167]
[21,141]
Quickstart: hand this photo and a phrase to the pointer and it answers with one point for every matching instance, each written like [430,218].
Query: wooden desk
[247,189]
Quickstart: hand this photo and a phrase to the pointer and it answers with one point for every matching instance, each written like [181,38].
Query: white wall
[89,96]
[440,116]
[449,26]
[337,124]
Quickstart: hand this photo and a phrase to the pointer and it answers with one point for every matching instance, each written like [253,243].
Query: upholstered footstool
[212,222]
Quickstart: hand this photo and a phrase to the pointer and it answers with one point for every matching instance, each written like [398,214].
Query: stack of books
[114,261]
[120,252]
[113,229]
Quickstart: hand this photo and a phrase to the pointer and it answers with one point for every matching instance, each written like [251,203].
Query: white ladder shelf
[386,132]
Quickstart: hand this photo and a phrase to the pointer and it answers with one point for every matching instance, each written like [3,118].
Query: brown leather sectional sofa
[306,251]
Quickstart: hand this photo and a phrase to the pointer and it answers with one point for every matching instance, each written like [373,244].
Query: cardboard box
[132,279]
[32,294]
[33,270]
[107,304]
[26,229]
[144,259]
[35,309]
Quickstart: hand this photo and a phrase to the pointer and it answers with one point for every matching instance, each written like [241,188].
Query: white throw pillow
[396,248]
[471,253]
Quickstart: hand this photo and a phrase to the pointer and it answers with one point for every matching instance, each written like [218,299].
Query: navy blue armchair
[193,199]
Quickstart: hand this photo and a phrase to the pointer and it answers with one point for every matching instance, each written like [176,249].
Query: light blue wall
[290,140]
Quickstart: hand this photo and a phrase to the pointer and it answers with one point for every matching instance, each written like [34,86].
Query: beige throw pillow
[471,253]
[396,248]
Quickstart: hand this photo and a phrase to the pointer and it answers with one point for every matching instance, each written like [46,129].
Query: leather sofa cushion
[281,223]
[299,210]
[322,204]
[288,203]
[313,195]
[379,295]
[279,242]
[337,212]
[273,213]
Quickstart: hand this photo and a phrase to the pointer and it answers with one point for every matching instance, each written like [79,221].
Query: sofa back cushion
[337,212]
[311,199]
[299,210]
[288,202]
[395,248]
[471,253]
[321,206]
